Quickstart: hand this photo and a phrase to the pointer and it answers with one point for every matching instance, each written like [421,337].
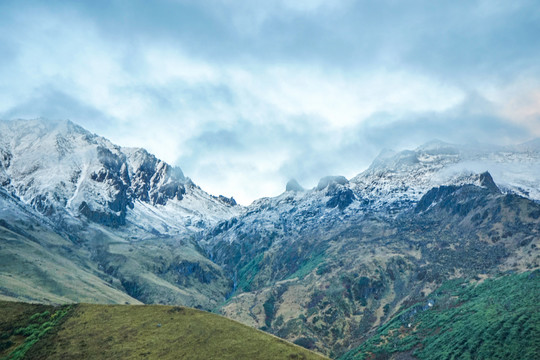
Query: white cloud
[288,117]
[519,102]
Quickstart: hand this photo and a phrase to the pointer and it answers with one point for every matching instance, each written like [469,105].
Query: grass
[39,325]
[308,267]
[44,271]
[495,319]
[23,325]
[142,331]
[248,272]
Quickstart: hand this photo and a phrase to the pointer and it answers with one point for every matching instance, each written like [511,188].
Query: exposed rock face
[116,211]
[340,196]
[487,181]
[227,200]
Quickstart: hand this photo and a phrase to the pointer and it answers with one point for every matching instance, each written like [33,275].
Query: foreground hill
[85,331]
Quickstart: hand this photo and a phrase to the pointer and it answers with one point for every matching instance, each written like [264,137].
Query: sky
[244,95]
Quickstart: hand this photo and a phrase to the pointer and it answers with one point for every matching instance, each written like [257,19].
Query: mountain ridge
[85,219]
[63,166]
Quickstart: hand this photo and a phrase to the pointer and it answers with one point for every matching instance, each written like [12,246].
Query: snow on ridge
[396,181]
[409,174]
[60,168]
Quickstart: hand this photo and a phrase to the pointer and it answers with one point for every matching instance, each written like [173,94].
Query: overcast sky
[244,95]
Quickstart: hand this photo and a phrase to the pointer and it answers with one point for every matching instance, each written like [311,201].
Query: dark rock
[102,217]
[433,196]
[341,197]
[226,200]
[487,181]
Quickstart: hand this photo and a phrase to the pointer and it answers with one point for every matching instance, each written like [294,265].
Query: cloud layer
[244,95]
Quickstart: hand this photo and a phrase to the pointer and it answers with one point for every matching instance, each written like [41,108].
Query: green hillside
[85,331]
[493,319]
[37,265]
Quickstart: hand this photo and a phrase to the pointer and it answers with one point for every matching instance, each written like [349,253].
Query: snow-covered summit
[404,177]
[63,170]
[394,182]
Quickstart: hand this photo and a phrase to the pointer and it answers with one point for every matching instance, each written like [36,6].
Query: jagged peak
[139,156]
[64,170]
[486,180]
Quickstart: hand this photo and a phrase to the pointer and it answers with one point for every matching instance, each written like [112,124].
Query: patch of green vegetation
[308,266]
[495,319]
[32,330]
[247,273]
[269,307]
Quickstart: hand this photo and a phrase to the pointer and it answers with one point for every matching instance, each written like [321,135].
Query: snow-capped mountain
[394,183]
[398,180]
[82,219]
[66,173]
[326,265]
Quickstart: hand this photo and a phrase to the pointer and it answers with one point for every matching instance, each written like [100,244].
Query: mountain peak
[293,185]
[63,170]
[434,144]
[532,145]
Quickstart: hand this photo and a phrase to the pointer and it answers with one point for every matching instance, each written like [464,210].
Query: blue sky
[244,95]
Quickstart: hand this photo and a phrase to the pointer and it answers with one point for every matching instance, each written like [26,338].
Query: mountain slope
[132,332]
[492,319]
[327,288]
[325,266]
[116,218]
[38,264]
[64,171]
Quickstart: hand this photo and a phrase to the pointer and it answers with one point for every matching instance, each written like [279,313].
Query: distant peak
[327,180]
[44,125]
[434,144]
[438,147]
[532,145]
[293,185]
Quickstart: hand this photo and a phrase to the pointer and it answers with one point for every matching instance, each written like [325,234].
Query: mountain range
[84,220]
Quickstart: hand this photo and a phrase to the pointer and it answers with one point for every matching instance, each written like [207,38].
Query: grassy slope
[99,264]
[495,319]
[35,270]
[134,332]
